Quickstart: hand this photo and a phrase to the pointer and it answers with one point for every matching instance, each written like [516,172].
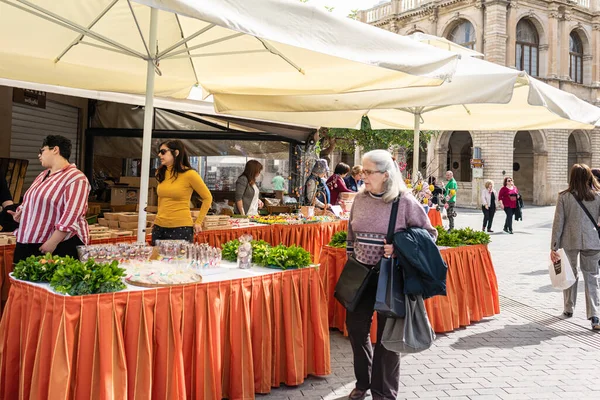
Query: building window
[527,48]
[464,34]
[575,58]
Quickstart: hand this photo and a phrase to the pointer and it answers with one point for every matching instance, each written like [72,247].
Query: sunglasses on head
[162,152]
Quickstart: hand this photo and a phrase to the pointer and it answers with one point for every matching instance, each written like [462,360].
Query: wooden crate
[14,170]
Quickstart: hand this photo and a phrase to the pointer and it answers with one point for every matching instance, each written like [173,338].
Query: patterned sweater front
[368,224]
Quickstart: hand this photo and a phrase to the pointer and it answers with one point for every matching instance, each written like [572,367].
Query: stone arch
[414,29]
[537,23]
[579,148]
[530,165]
[587,59]
[455,21]
[454,153]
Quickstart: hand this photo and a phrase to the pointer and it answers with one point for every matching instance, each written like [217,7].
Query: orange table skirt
[435,217]
[471,287]
[206,341]
[311,237]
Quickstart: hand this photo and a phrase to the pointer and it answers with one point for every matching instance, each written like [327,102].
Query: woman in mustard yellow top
[176,183]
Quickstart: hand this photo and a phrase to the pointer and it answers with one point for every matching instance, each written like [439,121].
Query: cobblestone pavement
[528,351]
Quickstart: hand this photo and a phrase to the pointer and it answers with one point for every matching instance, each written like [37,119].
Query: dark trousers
[180,233]
[510,212]
[376,368]
[65,248]
[450,213]
[488,216]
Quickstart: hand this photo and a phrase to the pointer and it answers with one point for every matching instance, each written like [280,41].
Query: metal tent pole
[148,123]
[416,144]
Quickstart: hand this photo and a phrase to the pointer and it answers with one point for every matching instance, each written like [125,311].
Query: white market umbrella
[480,96]
[226,46]
[445,44]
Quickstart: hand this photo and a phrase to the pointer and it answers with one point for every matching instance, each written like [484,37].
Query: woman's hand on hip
[197,228]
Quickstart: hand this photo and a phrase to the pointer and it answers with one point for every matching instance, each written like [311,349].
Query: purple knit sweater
[368,224]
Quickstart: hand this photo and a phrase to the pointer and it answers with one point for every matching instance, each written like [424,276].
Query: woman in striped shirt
[52,216]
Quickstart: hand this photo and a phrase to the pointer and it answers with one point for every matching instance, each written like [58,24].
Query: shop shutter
[31,125]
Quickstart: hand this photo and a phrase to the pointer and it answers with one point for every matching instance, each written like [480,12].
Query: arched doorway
[523,167]
[579,150]
[530,165]
[458,160]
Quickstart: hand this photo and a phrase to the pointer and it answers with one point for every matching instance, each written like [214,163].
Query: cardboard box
[102,222]
[150,217]
[113,224]
[128,217]
[133,181]
[120,196]
[128,225]
[111,216]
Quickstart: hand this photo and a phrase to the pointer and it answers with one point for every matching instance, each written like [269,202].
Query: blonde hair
[384,162]
[488,183]
[357,169]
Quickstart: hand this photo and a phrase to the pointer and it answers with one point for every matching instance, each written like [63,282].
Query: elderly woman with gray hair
[377,369]
[315,188]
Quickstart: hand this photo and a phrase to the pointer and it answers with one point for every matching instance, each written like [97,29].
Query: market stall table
[232,336]
[311,237]
[472,288]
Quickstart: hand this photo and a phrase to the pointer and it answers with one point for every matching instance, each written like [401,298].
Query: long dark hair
[582,184]
[251,170]
[181,162]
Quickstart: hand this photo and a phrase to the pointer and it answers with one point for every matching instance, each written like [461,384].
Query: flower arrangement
[420,190]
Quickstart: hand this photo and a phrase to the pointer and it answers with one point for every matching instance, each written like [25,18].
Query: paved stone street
[528,351]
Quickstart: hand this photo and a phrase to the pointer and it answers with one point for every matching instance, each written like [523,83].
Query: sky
[343,7]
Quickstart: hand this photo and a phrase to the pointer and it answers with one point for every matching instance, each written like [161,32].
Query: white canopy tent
[480,96]
[225,46]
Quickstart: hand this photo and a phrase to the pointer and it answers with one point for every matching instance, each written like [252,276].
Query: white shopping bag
[561,273]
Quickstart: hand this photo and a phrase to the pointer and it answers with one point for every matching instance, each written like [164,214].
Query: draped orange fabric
[308,236]
[206,341]
[435,217]
[471,287]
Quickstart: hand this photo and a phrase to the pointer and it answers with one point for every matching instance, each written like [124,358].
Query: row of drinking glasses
[121,252]
[197,256]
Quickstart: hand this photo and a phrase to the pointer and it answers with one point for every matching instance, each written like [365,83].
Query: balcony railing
[379,12]
[583,3]
[407,5]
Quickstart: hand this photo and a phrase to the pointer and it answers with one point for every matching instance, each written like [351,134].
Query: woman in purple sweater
[377,369]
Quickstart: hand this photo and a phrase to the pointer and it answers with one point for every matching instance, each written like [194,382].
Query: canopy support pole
[148,125]
[416,150]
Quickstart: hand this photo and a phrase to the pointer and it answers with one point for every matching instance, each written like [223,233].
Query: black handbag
[356,276]
[589,215]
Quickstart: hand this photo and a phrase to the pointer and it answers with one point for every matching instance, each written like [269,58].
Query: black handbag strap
[587,213]
[392,225]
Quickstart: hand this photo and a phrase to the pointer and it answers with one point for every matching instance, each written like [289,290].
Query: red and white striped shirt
[58,202]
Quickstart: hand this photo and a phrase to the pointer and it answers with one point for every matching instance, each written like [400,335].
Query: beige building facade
[555,41]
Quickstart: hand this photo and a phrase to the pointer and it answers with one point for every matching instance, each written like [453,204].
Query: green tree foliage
[345,139]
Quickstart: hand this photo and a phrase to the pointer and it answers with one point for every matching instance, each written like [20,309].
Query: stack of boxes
[216,222]
[7,238]
[115,225]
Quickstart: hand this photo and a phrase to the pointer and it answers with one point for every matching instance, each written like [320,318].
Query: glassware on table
[244,256]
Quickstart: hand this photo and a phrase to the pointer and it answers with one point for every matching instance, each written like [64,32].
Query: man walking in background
[450,193]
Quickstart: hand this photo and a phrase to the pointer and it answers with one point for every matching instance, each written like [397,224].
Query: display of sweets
[201,256]
[172,250]
[196,256]
[244,253]
[158,274]
[121,252]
